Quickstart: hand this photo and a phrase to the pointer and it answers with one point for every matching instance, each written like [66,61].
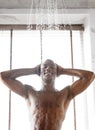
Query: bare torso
[47,109]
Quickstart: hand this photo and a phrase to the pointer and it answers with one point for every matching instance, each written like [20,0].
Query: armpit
[29,90]
[69,93]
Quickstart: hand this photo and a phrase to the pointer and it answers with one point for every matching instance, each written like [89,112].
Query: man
[47,106]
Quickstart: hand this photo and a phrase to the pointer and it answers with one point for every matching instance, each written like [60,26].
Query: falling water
[44,16]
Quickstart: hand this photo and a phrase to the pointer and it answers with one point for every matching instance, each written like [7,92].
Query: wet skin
[48,106]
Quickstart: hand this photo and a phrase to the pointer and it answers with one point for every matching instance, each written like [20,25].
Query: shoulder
[66,89]
[66,92]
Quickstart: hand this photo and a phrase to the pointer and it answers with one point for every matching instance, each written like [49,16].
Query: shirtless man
[48,106]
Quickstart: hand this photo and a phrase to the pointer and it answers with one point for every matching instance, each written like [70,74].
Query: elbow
[91,76]
[6,75]
[3,76]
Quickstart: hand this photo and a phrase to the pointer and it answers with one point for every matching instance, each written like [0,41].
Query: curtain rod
[43,27]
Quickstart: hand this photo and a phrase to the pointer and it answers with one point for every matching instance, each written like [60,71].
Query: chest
[47,100]
[47,105]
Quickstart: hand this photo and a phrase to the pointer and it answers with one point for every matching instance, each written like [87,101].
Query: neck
[48,86]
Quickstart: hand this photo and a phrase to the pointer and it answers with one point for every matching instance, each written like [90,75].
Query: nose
[48,68]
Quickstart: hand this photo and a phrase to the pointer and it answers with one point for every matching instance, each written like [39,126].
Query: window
[26,52]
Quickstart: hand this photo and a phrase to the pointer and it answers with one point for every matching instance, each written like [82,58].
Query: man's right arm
[9,79]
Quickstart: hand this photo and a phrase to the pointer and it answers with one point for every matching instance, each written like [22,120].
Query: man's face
[48,70]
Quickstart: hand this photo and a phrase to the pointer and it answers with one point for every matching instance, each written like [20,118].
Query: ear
[39,70]
[57,70]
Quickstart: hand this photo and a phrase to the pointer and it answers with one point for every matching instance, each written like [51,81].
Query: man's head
[48,70]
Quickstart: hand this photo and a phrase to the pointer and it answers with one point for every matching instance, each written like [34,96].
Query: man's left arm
[85,78]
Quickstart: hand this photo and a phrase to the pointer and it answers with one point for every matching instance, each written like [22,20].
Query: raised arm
[85,78]
[9,79]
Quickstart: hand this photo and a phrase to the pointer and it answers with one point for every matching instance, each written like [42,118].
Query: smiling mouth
[48,73]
